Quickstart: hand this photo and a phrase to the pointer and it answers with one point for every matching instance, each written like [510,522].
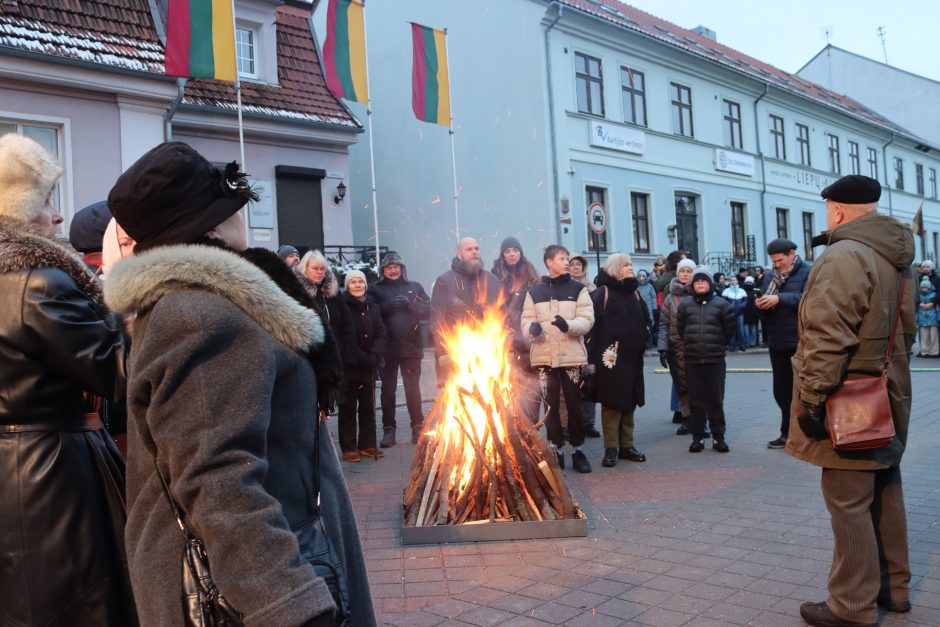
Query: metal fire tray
[495,531]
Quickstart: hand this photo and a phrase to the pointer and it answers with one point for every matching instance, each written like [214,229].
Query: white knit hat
[356,274]
[685,263]
[27,174]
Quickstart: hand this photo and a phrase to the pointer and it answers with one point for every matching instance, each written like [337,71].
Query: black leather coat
[61,477]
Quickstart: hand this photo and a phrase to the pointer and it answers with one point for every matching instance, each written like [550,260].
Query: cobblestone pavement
[683,539]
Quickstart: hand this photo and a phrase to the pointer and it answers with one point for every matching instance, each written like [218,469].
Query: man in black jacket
[778,308]
[404,305]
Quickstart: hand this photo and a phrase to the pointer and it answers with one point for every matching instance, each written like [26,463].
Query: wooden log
[427,491]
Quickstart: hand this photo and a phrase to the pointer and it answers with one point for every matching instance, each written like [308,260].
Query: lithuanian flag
[344,53]
[430,90]
[200,39]
[918,225]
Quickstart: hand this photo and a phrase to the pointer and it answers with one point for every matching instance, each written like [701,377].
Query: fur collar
[136,284]
[329,288]
[24,246]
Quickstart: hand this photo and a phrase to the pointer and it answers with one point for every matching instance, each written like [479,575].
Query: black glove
[812,419]
[400,301]
[535,329]
[561,324]
[663,360]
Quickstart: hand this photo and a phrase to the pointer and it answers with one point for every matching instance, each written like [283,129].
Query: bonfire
[478,459]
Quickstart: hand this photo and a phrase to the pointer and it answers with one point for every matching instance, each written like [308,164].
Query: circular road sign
[597,217]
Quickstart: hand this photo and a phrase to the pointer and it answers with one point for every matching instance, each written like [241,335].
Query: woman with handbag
[62,510]
[222,403]
[618,339]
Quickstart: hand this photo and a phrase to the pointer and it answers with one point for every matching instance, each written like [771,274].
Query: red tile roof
[121,33]
[627,17]
[301,92]
[117,33]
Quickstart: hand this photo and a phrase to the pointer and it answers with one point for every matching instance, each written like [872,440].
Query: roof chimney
[706,32]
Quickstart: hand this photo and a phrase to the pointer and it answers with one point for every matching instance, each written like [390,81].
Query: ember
[477,460]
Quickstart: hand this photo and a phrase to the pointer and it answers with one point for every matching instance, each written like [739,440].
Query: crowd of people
[225,361]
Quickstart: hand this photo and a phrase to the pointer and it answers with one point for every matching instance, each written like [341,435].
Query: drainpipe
[551,123]
[763,177]
[168,124]
[884,156]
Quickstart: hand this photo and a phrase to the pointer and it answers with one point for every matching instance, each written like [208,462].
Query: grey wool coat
[222,399]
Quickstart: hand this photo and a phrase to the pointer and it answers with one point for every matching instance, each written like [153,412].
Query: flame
[479,351]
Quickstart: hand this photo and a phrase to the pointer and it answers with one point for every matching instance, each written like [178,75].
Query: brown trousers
[870,557]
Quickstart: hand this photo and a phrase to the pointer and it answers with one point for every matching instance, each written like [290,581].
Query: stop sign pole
[597,220]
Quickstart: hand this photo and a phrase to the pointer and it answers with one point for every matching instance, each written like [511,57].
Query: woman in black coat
[363,356]
[615,351]
[62,512]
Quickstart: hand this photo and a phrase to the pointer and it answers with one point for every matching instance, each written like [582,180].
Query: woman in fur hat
[61,477]
[220,404]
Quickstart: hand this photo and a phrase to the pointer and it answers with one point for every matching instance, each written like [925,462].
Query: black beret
[173,195]
[780,245]
[88,226]
[854,189]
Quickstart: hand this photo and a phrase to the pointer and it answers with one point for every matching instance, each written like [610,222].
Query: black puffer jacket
[402,317]
[366,349]
[781,321]
[706,323]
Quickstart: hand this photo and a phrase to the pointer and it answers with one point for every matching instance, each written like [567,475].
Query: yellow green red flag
[430,84]
[344,52]
[200,39]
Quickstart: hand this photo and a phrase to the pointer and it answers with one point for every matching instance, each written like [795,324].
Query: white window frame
[255,48]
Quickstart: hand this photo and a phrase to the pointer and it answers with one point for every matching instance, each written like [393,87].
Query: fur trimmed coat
[221,399]
[62,508]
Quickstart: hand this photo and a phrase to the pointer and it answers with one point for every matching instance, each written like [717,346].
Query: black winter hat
[854,189]
[510,242]
[703,272]
[88,226]
[780,245]
[173,195]
[390,258]
[286,249]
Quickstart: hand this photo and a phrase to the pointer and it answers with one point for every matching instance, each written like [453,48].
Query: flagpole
[238,92]
[375,205]
[453,151]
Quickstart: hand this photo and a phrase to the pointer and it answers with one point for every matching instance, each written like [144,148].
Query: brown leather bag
[858,414]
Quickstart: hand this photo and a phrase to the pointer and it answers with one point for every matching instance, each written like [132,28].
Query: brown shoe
[351,456]
[371,452]
[819,615]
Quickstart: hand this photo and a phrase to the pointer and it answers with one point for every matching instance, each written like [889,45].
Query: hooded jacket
[402,318]
[222,400]
[845,318]
[565,297]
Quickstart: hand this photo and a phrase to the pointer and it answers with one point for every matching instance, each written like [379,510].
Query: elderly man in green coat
[845,318]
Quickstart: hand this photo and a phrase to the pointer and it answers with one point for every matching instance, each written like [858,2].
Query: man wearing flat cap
[777,307]
[853,294]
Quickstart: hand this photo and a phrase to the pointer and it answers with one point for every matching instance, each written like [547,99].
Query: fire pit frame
[495,531]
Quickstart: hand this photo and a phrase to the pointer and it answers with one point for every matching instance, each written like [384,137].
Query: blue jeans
[750,331]
[740,339]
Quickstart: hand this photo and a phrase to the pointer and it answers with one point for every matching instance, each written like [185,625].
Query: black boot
[388,437]
[677,417]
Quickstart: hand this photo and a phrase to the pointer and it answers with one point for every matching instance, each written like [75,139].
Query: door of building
[687,225]
[299,206]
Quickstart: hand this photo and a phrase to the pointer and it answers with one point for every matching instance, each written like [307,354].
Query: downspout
[168,124]
[553,141]
[763,177]
[884,157]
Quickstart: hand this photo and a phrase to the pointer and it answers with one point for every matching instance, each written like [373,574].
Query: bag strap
[187,534]
[889,351]
[316,465]
[606,294]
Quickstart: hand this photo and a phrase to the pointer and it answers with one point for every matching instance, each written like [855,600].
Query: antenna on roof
[881,35]
[827,32]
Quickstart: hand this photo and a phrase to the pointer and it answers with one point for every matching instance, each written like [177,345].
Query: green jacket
[845,318]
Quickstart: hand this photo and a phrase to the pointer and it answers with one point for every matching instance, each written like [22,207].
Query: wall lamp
[340,193]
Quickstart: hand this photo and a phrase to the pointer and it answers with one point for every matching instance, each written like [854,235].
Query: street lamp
[340,193]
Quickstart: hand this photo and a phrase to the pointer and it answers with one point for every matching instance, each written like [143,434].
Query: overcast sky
[789,33]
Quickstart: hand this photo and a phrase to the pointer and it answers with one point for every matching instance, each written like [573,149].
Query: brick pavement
[683,539]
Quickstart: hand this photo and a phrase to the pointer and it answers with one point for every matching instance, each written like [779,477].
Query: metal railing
[346,253]
[727,263]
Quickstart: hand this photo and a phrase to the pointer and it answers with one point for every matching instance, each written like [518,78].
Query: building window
[802,141]
[783,223]
[808,235]
[919,178]
[633,86]
[641,222]
[899,173]
[738,241]
[933,182]
[854,164]
[593,195]
[873,163]
[46,136]
[776,132]
[681,110]
[246,52]
[732,123]
[590,85]
[834,160]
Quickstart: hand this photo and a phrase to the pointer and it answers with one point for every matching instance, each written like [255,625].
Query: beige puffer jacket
[558,296]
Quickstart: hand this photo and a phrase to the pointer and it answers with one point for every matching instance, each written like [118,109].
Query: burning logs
[477,460]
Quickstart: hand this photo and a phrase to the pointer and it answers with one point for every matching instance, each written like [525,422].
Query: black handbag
[204,605]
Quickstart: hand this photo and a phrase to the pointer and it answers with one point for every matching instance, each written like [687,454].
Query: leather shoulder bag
[858,413]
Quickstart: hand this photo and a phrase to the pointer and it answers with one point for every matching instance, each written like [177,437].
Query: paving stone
[661,617]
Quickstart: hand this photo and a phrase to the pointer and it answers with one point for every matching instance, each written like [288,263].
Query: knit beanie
[925,283]
[703,272]
[285,250]
[685,263]
[510,242]
[88,227]
[28,172]
[354,274]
